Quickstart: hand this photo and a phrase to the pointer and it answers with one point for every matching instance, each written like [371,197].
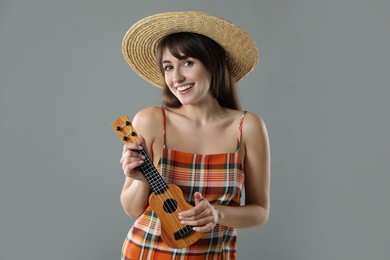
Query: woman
[199,139]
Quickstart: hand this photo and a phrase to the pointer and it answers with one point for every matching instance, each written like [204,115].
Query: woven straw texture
[140,42]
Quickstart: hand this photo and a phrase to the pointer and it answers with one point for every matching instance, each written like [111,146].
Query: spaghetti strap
[164,126]
[240,130]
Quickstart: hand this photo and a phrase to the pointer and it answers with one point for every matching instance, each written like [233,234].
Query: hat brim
[140,42]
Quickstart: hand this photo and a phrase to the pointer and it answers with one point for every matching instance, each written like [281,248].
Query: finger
[129,168]
[131,154]
[142,143]
[131,146]
[200,223]
[130,157]
[196,217]
[207,228]
[141,140]
[195,210]
[198,209]
[134,154]
[199,220]
[198,197]
[128,160]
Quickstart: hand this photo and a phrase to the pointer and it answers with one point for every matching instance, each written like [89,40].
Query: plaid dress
[219,178]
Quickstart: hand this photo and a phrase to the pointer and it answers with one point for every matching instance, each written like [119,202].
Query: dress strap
[164,126]
[240,130]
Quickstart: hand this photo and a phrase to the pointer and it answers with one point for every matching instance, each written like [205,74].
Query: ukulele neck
[153,177]
[126,132]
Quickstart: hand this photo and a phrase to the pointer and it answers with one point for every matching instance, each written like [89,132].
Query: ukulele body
[167,207]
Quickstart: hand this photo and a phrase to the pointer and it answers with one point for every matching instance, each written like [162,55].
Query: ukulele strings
[169,204]
[170,207]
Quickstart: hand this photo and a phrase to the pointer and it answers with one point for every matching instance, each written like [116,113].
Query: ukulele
[167,200]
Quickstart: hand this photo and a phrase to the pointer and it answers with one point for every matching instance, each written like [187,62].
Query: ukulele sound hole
[170,205]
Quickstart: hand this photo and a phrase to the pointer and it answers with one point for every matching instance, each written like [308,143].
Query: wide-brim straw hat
[140,42]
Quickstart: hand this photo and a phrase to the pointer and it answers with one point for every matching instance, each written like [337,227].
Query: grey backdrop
[322,87]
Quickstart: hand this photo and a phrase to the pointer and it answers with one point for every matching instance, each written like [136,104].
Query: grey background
[322,87]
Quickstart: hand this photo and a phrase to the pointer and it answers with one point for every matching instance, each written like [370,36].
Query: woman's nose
[178,76]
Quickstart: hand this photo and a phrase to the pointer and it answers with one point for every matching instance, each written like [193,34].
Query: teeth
[182,88]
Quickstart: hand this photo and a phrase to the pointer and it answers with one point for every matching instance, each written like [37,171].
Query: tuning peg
[118,128]
[128,123]
[133,133]
[125,138]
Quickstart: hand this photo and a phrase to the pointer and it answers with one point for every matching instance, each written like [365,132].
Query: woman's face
[187,78]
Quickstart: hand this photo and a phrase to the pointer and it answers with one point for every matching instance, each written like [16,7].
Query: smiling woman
[199,138]
[195,48]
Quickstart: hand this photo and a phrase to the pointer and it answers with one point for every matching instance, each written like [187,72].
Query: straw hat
[140,42]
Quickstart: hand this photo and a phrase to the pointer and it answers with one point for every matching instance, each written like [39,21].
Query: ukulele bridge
[183,232]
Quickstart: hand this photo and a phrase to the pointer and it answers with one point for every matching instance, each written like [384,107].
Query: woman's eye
[167,68]
[188,63]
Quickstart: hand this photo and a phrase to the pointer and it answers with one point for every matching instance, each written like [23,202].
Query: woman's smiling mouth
[184,88]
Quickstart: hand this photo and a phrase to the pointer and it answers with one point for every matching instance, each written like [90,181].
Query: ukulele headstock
[125,130]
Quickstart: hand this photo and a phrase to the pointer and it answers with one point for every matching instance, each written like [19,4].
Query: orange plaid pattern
[220,179]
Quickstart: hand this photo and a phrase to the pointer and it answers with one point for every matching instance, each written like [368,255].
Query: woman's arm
[136,190]
[255,212]
[257,177]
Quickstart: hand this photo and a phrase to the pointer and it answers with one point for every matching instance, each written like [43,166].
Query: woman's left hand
[203,217]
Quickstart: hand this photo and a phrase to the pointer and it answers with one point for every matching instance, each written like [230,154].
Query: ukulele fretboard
[153,177]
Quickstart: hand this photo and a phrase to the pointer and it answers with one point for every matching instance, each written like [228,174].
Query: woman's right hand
[131,160]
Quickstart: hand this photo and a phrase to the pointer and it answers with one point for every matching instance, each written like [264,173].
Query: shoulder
[254,129]
[148,115]
[148,121]
[253,121]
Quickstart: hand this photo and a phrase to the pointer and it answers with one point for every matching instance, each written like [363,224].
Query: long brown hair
[212,56]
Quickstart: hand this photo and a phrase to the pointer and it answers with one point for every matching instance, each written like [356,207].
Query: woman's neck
[204,113]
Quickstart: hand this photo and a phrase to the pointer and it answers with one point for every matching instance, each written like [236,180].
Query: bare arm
[255,212]
[135,192]
[134,197]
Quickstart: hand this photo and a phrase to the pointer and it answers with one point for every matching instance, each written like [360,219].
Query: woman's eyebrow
[181,57]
